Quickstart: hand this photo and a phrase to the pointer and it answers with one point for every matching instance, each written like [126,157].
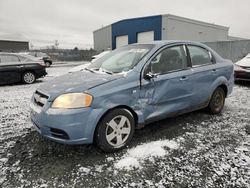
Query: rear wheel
[115,130]
[217,101]
[47,64]
[28,78]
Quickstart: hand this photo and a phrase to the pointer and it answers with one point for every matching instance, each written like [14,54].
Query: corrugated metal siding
[102,39]
[178,28]
[233,50]
[15,46]
[131,27]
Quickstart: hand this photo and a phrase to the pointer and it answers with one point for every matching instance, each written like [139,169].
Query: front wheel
[28,78]
[115,130]
[217,101]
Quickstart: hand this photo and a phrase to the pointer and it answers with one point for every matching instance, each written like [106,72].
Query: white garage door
[121,40]
[145,36]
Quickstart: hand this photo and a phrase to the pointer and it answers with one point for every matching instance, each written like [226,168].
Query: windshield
[122,59]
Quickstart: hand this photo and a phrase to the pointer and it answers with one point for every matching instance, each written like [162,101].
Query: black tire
[47,64]
[28,78]
[104,130]
[217,101]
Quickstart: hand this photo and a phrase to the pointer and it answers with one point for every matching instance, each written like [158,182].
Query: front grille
[59,133]
[40,99]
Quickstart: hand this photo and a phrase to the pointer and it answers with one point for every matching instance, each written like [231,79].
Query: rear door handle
[183,78]
[214,70]
[20,66]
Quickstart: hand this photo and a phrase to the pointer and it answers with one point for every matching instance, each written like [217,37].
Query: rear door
[170,87]
[10,69]
[205,72]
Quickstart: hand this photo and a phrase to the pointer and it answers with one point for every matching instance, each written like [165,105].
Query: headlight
[72,100]
[238,68]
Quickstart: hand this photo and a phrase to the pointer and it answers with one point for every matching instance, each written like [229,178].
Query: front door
[170,85]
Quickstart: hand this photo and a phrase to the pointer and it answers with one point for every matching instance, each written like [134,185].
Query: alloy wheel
[118,130]
[29,78]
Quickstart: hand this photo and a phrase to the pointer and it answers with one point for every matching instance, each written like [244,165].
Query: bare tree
[56,44]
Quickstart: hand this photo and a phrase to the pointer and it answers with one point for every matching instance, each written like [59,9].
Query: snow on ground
[148,151]
[192,150]
[14,111]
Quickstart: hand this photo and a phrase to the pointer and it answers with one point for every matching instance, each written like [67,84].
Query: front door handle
[183,78]
[20,66]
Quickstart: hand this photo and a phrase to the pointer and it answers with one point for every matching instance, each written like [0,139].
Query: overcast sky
[71,22]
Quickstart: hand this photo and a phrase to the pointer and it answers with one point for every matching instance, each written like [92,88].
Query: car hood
[244,62]
[75,82]
[79,68]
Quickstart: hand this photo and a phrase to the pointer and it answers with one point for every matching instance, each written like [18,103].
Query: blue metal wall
[133,26]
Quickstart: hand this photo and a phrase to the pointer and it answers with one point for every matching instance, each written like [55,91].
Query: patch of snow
[3,160]
[84,170]
[147,151]
[128,163]
[110,159]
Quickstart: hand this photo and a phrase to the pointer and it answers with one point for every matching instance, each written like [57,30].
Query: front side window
[199,56]
[8,58]
[122,59]
[169,60]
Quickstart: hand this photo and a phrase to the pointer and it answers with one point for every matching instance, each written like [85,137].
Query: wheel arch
[224,87]
[220,82]
[117,107]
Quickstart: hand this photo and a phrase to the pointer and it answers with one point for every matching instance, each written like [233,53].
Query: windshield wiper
[106,71]
[91,70]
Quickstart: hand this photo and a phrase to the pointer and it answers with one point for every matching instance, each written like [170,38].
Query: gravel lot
[192,150]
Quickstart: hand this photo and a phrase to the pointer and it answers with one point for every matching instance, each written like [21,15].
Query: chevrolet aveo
[128,88]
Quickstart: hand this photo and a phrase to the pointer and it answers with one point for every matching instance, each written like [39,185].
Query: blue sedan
[129,87]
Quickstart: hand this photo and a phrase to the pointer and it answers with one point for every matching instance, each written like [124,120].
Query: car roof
[168,42]
[20,54]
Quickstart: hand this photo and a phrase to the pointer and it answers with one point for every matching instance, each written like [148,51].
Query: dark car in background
[242,69]
[42,56]
[16,68]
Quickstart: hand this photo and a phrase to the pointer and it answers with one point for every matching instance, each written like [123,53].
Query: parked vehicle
[20,68]
[130,87]
[98,56]
[94,58]
[242,69]
[42,56]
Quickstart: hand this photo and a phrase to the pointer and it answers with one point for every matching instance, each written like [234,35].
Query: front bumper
[242,75]
[68,126]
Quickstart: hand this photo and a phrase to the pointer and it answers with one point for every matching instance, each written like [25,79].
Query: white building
[161,27]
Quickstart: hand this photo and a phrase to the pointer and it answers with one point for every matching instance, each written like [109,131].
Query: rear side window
[24,59]
[199,56]
[8,59]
